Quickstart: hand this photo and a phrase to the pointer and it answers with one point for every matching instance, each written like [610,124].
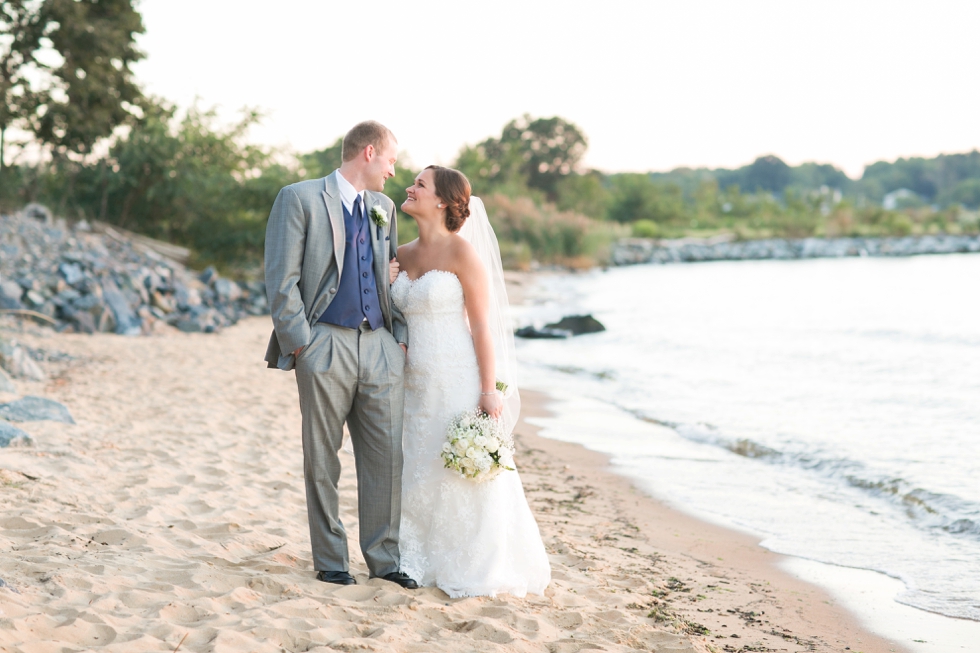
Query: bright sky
[654,85]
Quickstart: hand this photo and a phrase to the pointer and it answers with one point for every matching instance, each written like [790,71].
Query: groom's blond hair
[366,133]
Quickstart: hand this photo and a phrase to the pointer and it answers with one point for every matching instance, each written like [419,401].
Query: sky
[654,85]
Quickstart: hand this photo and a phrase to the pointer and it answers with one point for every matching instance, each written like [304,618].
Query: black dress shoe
[402,579]
[336,577]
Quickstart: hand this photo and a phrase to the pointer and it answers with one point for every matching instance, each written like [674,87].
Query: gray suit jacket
[304,258]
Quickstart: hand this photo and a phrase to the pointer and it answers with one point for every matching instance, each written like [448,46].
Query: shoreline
[639,251]
[763,604]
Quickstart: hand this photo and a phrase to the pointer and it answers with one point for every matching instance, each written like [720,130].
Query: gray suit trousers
[353,375]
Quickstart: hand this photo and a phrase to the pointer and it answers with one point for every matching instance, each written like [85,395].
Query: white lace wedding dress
[466,538]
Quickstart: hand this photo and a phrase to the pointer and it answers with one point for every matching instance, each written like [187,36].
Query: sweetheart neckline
[422,276]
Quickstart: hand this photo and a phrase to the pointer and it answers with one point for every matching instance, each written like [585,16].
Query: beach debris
[632,251]
[6,384]
[95,278]
[19,363]
[577,324]
[34,409]
[12,436]
[531,332]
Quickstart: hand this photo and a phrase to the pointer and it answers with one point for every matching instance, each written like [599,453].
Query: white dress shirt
[348,194]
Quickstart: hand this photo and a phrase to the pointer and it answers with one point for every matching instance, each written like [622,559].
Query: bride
[466,538]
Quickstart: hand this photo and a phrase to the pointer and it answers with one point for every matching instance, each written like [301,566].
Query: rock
[121,282]
[227,290]
[34,409]
[16,360]
[209,276]
[126,321]
[202,320]
[38,212]
[6,385]
[12,436]
[10,295]
[84,322]
[577,324]
[531,332]
[72,272]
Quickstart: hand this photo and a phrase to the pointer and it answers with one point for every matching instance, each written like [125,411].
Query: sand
[173,515]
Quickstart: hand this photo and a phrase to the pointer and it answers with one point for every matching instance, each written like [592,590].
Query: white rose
[480,441]
[379,215]
[472,453]
[446,447]
[492,445]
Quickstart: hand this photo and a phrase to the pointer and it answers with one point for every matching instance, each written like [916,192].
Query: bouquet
[477,447]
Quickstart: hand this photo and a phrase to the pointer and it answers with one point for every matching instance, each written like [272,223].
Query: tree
[635,196]
[535,153]
[768,173]
[322,162]
[585,194]
[549,149]
[21,31]
[93,90]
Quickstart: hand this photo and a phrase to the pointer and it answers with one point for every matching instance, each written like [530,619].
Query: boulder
[532,333]
[12,436]
[35,409]
[577,325]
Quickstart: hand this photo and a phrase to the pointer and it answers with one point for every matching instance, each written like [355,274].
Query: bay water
[831,407]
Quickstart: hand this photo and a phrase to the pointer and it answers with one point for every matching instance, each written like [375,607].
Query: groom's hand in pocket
[296,353]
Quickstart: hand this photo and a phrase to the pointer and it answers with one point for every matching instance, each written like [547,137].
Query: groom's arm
[285,242]
[399,327]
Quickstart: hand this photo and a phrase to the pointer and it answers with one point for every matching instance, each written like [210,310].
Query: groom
[327,247]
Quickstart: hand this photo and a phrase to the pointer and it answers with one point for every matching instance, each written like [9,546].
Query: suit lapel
[377,235]
[378,243]
[335,212]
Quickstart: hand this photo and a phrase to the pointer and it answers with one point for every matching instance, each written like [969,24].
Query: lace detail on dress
[468,539]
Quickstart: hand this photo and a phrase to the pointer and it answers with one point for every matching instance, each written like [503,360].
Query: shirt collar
[348,193]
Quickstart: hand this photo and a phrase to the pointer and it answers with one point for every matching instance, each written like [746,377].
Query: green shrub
[645,229]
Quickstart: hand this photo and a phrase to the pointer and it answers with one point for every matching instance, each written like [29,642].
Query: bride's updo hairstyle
[453,188]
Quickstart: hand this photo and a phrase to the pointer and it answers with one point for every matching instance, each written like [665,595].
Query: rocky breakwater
[82,279]
[632,251]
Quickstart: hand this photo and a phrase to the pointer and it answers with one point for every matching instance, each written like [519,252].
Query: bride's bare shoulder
[407,249]
[465,258]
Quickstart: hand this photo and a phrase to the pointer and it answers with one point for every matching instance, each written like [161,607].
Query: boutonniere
[379,215]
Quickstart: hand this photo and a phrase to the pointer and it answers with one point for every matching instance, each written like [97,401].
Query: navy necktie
[357,212]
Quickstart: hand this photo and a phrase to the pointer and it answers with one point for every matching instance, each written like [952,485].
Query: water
[830,406]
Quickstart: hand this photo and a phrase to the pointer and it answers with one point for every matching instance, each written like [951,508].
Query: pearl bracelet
[487,394]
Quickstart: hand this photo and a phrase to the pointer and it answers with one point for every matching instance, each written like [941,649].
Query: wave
[924,507]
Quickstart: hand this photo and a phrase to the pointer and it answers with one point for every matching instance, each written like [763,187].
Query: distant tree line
[115,155]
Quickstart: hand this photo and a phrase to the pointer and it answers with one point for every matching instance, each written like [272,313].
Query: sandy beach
[172,515]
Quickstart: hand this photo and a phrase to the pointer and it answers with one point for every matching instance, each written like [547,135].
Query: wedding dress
[466,538]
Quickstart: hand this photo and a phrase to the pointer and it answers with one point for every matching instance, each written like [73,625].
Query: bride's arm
[476,296]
